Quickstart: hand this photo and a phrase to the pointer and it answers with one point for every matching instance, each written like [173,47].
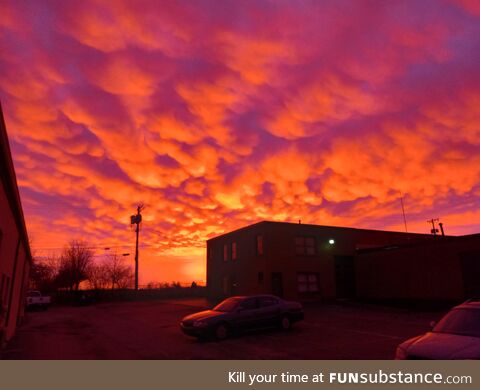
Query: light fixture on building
[331,241]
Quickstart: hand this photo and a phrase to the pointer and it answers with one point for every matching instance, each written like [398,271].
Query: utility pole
[434,230]
[403,211]
[136,219]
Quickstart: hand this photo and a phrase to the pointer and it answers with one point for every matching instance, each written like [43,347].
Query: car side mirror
[432,324]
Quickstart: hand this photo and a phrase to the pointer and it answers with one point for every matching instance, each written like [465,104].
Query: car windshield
[229,304]
[460,321]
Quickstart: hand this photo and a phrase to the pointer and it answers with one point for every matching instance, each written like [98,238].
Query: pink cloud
[216,116]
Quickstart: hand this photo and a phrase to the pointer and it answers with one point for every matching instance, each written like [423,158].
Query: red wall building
[15,257]
[296,261]
[443,269]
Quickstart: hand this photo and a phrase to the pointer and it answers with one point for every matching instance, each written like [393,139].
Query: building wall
[15,255]
[280,257]
[432,271]
[8,250]
[244,270]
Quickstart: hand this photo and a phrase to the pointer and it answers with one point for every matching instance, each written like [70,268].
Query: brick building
[296,261]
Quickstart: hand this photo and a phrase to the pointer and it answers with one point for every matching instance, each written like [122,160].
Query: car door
[269,310]
[246,314]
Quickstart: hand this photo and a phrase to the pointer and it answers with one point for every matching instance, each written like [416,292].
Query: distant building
[296,261]
[443,269]
[15,256]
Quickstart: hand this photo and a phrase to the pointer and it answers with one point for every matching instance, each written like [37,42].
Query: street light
[331,241]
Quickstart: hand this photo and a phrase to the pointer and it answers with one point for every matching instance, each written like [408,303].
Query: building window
[249,304]
[260,278]
[267,301]
[234,251]
[259,245]
[305,246]
[307,282]
[225,252]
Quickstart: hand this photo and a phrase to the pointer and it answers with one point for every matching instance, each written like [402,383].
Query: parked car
[35,300]
[242,313]
[455,336]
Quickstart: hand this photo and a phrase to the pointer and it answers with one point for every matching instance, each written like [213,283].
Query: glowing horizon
[217,115]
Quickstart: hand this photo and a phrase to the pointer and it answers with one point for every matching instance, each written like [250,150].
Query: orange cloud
[216,117]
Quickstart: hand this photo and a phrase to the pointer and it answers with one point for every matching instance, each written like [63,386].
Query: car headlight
[199,324]
[400,353]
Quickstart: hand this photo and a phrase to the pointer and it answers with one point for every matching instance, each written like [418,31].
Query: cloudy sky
[217,114]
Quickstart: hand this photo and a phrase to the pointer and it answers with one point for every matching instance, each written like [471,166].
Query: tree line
[76,267]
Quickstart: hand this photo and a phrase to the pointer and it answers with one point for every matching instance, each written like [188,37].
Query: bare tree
[98,276]
[43,273]
[75,262]
[128,279]
[119,274]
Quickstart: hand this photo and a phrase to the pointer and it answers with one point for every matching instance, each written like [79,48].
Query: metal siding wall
[425,272]
[23,291]
[8,248]
[9,235]
[17,293]
[12,257]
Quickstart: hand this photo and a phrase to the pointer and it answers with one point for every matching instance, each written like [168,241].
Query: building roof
[9,182]
[318,226]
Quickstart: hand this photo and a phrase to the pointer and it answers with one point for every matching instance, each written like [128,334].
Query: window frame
[275,301]
[254,300]
[225,252]
[301,247]
[308,283]
[259,245]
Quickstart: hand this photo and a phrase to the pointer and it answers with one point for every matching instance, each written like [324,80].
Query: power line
[88,247]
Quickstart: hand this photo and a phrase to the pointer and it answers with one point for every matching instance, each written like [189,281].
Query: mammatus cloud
[217,115]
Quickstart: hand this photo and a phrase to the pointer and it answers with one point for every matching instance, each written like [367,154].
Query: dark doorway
[345,276]
[229,286]
[277,284]
[233,285]
[470,262]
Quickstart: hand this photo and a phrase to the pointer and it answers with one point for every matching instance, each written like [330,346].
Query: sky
[219,114]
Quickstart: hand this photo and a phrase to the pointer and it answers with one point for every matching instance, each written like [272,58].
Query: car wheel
[221,331]
[285,323]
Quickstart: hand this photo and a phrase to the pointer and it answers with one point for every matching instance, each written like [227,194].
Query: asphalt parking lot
[150,330]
